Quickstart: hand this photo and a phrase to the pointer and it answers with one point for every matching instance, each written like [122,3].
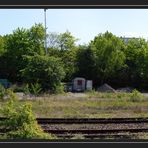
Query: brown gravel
[94,126]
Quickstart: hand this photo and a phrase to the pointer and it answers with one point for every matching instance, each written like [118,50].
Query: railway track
[90,120]
[115,127]
[87,120]
[65,133]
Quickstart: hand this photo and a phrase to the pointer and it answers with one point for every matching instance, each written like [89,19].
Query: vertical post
[45,32]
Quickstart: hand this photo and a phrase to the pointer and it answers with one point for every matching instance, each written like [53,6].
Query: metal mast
[45,32]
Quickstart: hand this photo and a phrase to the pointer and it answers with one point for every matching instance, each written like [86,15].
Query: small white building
[79,84]
[89,85]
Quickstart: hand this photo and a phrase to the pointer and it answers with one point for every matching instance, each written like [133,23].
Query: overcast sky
[82,23]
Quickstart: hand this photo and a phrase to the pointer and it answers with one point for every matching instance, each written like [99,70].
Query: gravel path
[95,126]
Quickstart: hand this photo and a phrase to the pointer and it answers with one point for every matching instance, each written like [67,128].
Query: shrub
[26,89]
[45,70]
[16,88]
[136,96]
[58,88]
[91,92]
[21,122]
[35,89]
[2,92]
[10,95]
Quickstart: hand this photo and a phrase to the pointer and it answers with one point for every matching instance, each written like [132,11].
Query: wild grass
[92,105]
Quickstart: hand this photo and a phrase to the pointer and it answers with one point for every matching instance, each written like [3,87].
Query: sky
[84,24]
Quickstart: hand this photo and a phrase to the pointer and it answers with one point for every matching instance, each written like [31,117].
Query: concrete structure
[89,85]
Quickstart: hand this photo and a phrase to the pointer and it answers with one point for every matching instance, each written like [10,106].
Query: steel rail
[87,120]
[90,120]
[85,131]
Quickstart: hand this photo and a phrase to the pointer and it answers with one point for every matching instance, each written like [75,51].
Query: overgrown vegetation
[89,106]
[35,89]
[136,96]
[106,59]
[21,122]
[43,72]
[2,92]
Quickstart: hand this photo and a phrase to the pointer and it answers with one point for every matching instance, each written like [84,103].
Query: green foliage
[35,89]
[86,62]
[118,95]
[62,41]
[16,88]
[106,59]
[26,89]
[21,122]
[7,94]
[2,50]
[2,92]
[17,44]
[136,96]
[64,46]
[137,61]
[22,42]
[109,55]
[59,89]
[69,61]
[10,95]
[36,37]
[45,70]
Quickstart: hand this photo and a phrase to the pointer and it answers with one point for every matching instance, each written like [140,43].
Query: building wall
[77,86]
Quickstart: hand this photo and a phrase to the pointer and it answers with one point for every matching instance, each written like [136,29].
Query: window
[79,82]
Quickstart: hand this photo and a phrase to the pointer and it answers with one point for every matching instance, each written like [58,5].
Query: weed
[59,89]
[21,122]
[10,95]
[16,88]
[78,136]
[2,92]
[26,89]
[35,89]
[136,96]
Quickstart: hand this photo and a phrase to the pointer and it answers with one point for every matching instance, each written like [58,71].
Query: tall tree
[1,45]
[22,42]
[45,70]
[64,46]
[136,60]
[85,62]
[109,55]
[36,36]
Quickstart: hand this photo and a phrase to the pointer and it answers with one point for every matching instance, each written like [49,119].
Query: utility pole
[45,31]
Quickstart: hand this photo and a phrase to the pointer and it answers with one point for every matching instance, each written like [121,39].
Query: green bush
[45,70]
[2,92]
[136,96]
[10,95]
[26,89]
[58,89]
[21,122]
[35,89]
[91,92]
[16,88]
